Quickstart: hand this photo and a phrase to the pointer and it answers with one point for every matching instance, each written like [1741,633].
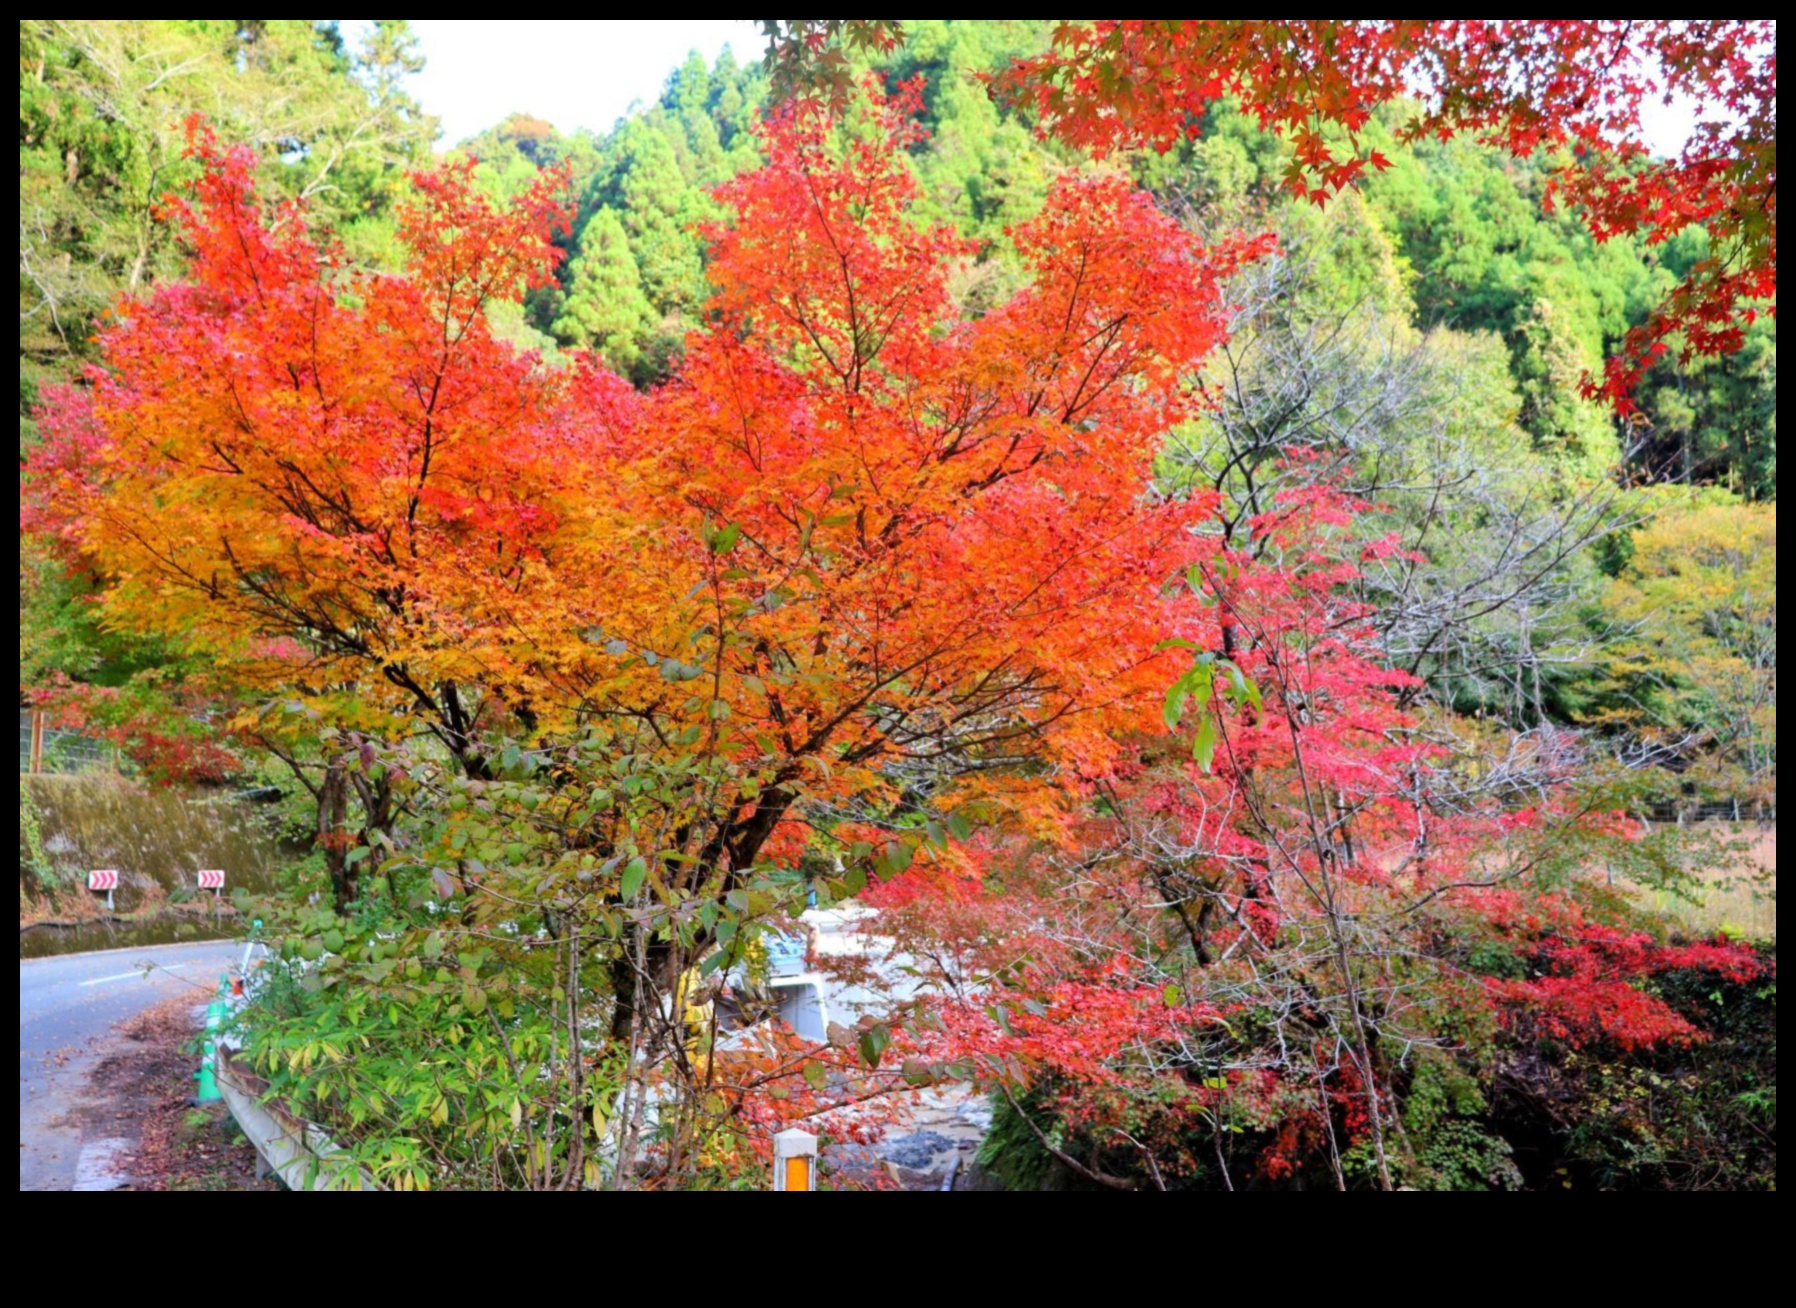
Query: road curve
[68,1005]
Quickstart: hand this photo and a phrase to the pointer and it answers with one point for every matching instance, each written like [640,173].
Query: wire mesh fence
[1713,810]
[44,748]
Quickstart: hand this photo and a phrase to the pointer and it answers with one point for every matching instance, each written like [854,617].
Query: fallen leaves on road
[145,1089]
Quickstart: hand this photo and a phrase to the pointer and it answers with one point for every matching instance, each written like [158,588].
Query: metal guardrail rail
[297,1151]
[300,1152]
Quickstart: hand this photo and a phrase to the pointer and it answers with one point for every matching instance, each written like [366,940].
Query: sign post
[795,1160]
[105,878]
[212,878]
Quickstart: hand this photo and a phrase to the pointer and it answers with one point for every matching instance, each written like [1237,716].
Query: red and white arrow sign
[211,878]
[105,878]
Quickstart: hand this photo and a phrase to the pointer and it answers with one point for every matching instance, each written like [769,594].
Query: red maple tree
[1255,947]
[1574,89]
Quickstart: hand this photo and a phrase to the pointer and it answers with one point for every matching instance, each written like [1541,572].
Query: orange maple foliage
[857,530]
[317,477]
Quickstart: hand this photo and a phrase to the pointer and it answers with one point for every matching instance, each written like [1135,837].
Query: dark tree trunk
[632,991]
[736,846]
[333,833]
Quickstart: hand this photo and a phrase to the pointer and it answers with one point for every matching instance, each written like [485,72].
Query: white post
[794,1160]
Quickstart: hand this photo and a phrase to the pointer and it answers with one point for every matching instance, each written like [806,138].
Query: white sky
[587,73]
[1667,126]
[573,73]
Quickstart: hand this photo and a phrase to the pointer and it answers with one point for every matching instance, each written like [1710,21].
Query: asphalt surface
[68,1006]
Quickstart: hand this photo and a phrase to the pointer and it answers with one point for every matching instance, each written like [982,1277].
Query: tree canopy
[1231,652]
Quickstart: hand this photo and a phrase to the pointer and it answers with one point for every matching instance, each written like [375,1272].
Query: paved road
[68,1006]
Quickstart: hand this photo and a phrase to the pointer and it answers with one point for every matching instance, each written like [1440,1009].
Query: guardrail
[297,1151]
[300,1152]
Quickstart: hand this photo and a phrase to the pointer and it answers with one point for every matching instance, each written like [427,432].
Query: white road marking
[98,1167]
[126,976]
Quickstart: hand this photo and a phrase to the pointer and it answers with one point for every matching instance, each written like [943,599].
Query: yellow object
[697,1017]
[794,1160]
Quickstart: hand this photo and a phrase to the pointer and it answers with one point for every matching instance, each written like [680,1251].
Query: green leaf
[1203,748]
[873,1044]
[724,540]
[815,1076]
[1174,708]
[634,873]
[1244,690]
[959,827]
[1172,995]
[896,857]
